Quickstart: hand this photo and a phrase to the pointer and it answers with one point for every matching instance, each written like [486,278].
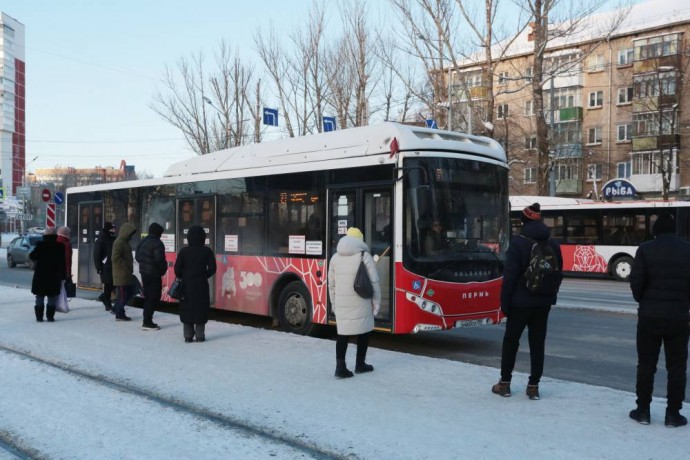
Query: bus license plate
[471,323]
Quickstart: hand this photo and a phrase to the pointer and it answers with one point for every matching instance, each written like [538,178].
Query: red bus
[274,212]
[600,237]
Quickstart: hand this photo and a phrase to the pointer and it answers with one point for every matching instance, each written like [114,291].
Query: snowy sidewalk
[159,389]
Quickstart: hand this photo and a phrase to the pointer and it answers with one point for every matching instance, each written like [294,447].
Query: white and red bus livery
[274,212]
[601,237]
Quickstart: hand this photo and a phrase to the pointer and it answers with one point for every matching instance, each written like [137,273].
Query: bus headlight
[425,304]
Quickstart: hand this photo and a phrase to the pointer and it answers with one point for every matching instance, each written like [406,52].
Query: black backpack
[542,275]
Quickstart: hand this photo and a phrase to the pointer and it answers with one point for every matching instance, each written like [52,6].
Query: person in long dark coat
[195,264]
[104,265]
[49,273]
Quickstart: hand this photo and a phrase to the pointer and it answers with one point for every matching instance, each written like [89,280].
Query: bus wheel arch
[620,267]
[291,305]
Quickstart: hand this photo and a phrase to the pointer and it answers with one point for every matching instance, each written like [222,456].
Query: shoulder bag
[362,284]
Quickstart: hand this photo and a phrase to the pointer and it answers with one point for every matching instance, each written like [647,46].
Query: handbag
[362,284]
[175,289]
[70,289]
[62,304]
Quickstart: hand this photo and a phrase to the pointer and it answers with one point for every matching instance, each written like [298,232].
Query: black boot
[38,309]
[362,366]
[341,370]
[50,313]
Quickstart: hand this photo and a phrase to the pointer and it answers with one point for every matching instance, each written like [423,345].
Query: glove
[377,308]
[98,271]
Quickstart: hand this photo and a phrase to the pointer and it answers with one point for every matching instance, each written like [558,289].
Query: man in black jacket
[152,265]
[660,283]
[523,307]
[104,265]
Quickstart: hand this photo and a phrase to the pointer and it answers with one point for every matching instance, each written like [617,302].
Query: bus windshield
[456,222]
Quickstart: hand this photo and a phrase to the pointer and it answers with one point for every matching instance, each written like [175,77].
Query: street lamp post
[449,124]
[219,114]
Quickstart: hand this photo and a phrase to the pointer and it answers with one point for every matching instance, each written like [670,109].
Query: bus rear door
[90,226]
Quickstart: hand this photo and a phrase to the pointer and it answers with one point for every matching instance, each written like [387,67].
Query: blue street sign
[328,124]
[431,123]
[270,117]
[59,198]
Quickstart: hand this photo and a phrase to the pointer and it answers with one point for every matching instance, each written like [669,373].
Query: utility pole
[551,166]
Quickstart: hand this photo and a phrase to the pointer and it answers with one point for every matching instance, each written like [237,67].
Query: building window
[623,169]
[502,111]
[594,136]
[503,78]
[654,47]
[625,56]
[655,84]
[528,74]
[625,95]
[650,162]
[596,63]
[624,132]
[596,99]
[530,142]
[529,107]
[649,124]
[530,175]
[567,169]
[594,171]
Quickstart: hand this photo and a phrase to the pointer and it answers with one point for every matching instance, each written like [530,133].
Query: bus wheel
[294,308]
[622,267]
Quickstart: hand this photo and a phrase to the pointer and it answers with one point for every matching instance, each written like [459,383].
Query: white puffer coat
[353,314]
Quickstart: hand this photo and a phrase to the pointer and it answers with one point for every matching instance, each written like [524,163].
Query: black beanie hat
[531,212]
[108,226]
[155,229]
[665,223]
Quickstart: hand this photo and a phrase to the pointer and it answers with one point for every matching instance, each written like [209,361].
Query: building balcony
[561,151]
[650,143]
[568,187]
[653,182]
[653,64]
[476,92]
[652,104]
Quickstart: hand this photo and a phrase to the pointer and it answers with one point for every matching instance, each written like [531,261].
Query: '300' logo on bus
[248,279]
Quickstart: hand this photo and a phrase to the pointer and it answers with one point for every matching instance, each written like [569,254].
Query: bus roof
[550,202]
[337,145]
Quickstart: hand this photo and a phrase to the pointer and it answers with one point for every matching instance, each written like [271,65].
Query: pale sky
[92,67]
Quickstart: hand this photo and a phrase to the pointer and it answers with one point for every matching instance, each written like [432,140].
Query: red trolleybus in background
[601,237]
[274,212]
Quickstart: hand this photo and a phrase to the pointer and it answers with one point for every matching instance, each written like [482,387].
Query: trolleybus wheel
[622,267]
[294,309]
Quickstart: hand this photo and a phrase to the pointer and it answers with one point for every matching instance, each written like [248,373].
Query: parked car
[36,230]
[19,249]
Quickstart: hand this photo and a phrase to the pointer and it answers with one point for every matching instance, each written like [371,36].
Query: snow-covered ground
[115,391]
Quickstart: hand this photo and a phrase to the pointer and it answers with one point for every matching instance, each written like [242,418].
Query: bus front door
[370,210]
[90,226]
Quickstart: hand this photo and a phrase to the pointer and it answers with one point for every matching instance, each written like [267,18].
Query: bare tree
[210,108]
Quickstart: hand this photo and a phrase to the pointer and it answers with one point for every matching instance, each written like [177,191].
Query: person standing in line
[523,307]
[152,265]
[49,273]
[195,264]
[354,315]
[660,283]
[123,270]
[64,234]
[102,259]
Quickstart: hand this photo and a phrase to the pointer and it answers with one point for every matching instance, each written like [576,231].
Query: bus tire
[294,309]
[621,268]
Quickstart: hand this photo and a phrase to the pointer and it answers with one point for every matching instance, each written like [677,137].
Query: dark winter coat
[660,278]
[151,253]
[103,251]
[195,264]
[49,256]
[514,293]
[123,262]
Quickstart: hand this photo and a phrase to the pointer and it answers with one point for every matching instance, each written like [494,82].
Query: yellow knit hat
[355,233]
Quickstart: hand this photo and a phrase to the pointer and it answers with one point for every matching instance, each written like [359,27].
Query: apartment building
[617,108]
[12,104]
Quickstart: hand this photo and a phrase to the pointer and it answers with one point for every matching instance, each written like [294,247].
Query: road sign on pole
[431,123]
[328,124]
[270,116]
[59,198]
[45,195]
[50,215]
